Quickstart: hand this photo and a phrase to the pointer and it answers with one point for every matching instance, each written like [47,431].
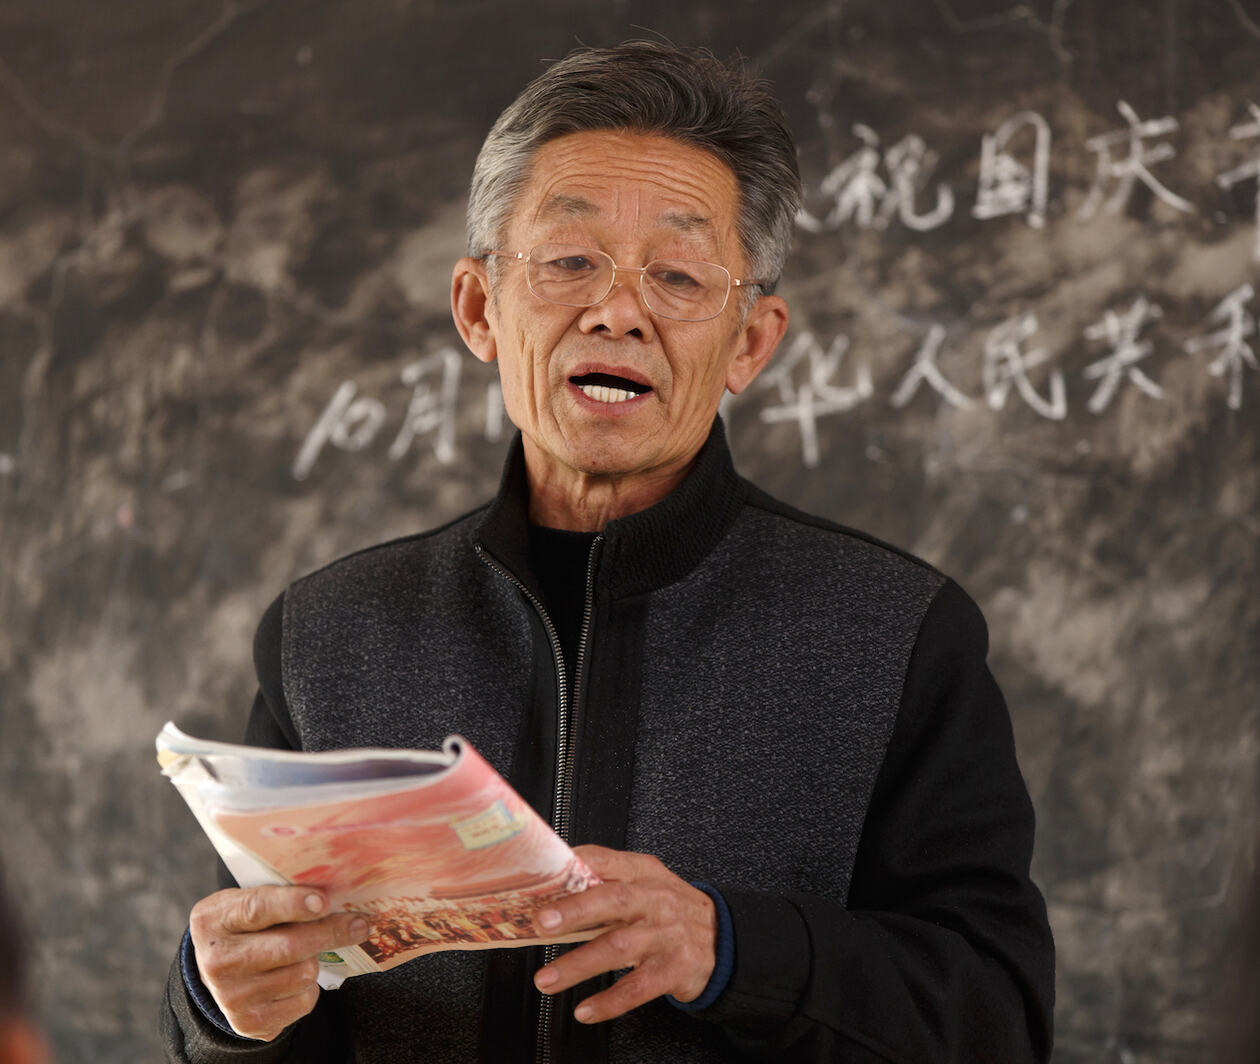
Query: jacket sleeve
[943,952]
[188,1033]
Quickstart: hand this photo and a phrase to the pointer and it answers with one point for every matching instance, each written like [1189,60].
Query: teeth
[603,394]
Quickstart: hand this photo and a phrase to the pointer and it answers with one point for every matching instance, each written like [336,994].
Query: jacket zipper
[566,763]
[565,754]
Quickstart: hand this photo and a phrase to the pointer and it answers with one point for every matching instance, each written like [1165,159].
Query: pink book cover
[456,860]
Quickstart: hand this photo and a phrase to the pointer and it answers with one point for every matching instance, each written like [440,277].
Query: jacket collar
[645,551]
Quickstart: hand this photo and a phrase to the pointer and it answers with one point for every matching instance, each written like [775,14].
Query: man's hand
[257,950]
[659,925]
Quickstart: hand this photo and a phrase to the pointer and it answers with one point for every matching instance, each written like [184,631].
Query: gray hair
[650,87]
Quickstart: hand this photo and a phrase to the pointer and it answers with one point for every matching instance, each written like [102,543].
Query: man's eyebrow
[688,223]
[569,206]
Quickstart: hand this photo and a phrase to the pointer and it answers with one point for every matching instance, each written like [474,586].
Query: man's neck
[583,502]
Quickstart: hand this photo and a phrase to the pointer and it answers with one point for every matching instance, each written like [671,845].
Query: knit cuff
[772,969]
[724,948]
[198,991]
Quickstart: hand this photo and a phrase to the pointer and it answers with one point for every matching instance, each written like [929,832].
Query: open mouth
[608,388]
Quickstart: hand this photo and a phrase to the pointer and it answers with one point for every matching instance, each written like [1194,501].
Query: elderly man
[775,739]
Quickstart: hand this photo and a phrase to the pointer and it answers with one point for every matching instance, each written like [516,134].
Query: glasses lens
[570,276]
[684,290]
[673,288]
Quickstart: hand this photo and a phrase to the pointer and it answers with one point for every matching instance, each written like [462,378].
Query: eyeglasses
[671,288]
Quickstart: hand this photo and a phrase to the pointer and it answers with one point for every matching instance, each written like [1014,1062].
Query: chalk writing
[351,422]
[926,369]
[910,162]
[1014,175]
[1121,332]
[1006,364]
[1007,186]
[861,195]
[496,412]
[808,382]
[1134,166]
[818,395]
[348,423]
[1248,170]
[855,185]
[431,410]
[1232,340]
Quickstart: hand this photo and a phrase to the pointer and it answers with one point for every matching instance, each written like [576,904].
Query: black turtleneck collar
[644,551]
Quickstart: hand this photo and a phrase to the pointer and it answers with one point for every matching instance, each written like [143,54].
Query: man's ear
[759,336]
[470,301]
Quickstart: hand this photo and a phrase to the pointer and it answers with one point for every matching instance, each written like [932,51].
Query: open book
[434,847]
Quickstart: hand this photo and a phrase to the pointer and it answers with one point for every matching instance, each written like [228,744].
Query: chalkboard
[1023,345]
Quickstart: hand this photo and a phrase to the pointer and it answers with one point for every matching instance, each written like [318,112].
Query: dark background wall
[226,231]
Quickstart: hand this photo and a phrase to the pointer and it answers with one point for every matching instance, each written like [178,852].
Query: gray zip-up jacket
[769,703]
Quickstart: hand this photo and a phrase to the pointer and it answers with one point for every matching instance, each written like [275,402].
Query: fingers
[256,952]
[666,959]
[659,926]
[628,992]
[611,902]
[268,927]
[620,864]
[258,908]
[265,1007]
[649,979]
[623,947]
[276,947]
[616,899]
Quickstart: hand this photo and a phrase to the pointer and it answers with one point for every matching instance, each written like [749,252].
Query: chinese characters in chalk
[1249,170]
[1008,185]
[1121,331]
[1231,341]
[351,422]
[875,186]
[1120,175]
[1006,363]
[819,394]
[810,380]
[862,195]
[1011,363]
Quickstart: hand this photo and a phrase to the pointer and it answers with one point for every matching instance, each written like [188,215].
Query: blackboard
[1023,346]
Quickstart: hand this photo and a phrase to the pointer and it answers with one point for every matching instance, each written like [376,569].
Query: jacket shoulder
[845,537]
[436,544]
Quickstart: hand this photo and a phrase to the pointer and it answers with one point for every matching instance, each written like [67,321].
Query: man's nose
[622,312]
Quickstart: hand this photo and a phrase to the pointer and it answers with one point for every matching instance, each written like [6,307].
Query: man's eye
[570,264]
[674,278]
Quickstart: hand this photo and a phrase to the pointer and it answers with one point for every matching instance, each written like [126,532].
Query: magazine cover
[435,848]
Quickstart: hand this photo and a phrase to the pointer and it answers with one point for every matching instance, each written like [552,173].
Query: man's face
[637,197]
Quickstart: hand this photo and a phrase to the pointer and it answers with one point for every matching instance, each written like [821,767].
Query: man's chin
[612,447]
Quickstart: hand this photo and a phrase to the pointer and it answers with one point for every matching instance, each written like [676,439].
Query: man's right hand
[257,948]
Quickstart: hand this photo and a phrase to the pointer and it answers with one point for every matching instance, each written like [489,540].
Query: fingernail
[583,1013]
[314,902]
[359,929]
[549,919]
[545,978]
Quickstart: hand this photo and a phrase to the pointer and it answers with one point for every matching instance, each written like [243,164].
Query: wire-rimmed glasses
[680,289]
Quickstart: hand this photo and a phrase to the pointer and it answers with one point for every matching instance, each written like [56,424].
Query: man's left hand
[658,925]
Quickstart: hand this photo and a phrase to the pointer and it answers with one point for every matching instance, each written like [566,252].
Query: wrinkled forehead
[606,200]
[627,185]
